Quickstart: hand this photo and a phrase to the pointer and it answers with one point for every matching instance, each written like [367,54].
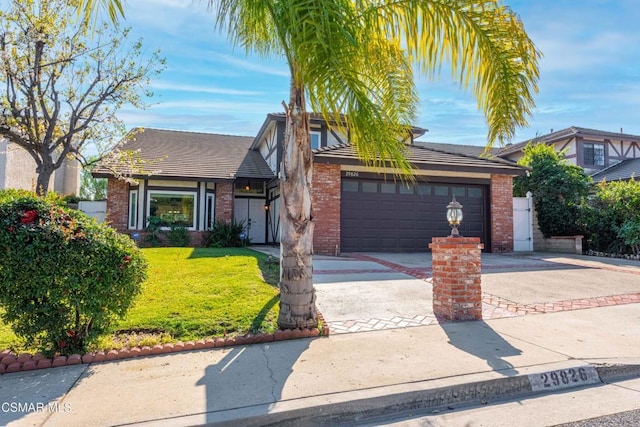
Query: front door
[251,212]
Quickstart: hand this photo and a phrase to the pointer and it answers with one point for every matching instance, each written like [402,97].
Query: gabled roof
[315,118]
[625,170]
[425,158]
[570,132]
[193,155]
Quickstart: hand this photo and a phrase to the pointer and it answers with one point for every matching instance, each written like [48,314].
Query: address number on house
[564,378]
[351,174]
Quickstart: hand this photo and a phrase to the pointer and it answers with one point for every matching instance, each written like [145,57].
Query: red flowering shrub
[63,277]
[29,217]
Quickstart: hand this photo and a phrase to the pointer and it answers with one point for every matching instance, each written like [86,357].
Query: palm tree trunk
[297,294]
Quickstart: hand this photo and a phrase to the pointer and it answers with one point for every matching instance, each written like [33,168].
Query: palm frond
[89,8]
[484,41]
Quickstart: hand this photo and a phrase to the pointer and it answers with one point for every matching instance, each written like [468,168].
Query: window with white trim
[133,209]
[174,208]
[210,211]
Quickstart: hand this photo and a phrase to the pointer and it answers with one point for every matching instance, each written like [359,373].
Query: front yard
[193,294]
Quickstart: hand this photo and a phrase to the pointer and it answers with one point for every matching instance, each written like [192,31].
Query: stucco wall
[18,170]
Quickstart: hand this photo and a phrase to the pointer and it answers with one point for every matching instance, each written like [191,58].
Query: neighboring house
[603,155]
[18,170]
[201,177]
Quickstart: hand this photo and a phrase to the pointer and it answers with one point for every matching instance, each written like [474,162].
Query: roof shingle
[428,158]
[192,155]
[625,170]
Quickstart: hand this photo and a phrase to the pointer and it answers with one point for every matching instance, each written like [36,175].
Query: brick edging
[11,362]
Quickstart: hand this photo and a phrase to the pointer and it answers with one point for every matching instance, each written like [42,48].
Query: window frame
[591,161]
[194,194]
[317,133]
[210,209]
[134,206]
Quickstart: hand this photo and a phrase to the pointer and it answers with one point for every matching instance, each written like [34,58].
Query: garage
[385,216]
[361,208]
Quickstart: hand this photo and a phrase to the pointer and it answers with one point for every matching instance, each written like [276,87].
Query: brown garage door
[383,216]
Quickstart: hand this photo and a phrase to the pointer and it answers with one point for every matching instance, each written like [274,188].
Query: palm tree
[352,61]
[356,57]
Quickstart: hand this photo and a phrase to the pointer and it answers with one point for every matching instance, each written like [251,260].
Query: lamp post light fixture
[454,216]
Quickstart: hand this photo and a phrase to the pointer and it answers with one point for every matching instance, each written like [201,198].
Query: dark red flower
[71,333]
[11,229]
[29,217]
[126,258]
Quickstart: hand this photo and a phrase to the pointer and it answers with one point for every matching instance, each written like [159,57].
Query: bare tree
[63,80]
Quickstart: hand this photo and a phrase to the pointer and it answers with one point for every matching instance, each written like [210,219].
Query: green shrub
[178,236]
[154,231]
[64,278]
[612,205]
[629,232]
[558,189]
[226,235]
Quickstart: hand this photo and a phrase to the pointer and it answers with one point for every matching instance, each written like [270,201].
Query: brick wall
[501,213]
[224,201]
[117,203]
[456,267]
[325,196]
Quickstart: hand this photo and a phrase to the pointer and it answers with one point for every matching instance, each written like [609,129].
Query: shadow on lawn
[262,315]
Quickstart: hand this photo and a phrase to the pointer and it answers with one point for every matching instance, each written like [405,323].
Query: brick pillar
[501,213]
[457,294]
[224,201]
[117,204]
[325,196]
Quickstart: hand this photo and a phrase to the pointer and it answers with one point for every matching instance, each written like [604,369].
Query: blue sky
[589,74]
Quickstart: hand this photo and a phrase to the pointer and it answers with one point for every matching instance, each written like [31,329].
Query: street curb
[436,399]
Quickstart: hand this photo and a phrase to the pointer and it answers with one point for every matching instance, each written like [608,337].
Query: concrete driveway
[371,291]
[362,292]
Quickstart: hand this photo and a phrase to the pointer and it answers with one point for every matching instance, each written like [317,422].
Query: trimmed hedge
[64,278]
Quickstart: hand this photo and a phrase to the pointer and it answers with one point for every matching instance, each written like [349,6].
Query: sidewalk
[339,378]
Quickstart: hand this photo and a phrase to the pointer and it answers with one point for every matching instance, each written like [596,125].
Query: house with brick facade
[199,178]
[604,155]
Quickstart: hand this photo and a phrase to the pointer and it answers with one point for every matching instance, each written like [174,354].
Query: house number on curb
[563,378]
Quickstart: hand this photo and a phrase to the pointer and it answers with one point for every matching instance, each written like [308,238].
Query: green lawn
[193,294]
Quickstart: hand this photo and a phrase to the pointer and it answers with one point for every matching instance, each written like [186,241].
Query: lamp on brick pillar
[454,216]
[456,267]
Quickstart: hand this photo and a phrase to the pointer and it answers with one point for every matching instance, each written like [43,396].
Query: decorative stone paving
[554,307]
[493,307]
[354,271]
[367,325]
